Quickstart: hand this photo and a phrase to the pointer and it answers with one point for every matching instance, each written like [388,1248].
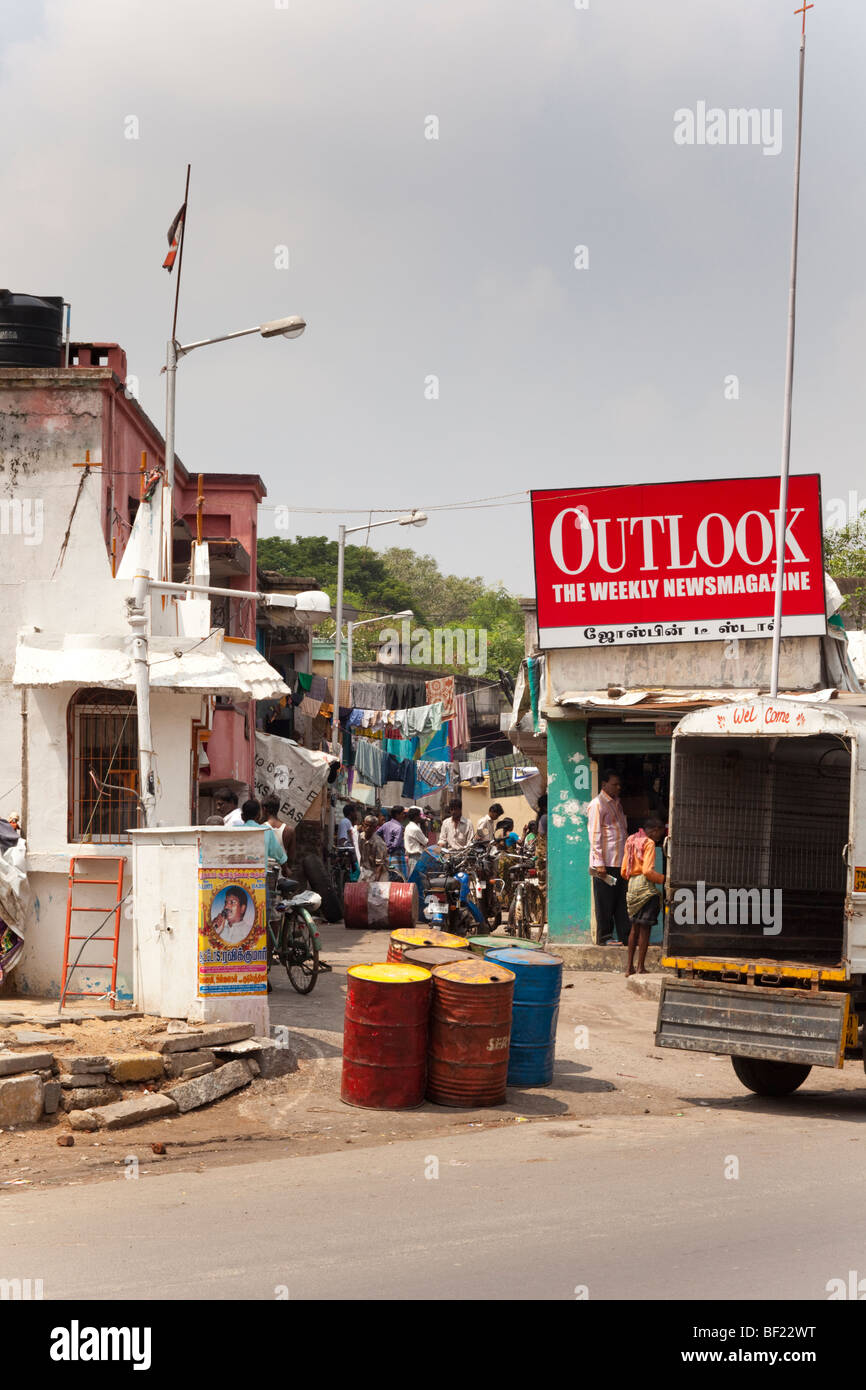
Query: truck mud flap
[780,1025]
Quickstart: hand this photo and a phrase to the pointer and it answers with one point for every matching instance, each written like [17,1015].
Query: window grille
[103,739]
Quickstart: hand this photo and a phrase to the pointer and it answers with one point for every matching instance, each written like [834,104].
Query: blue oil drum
[537,987]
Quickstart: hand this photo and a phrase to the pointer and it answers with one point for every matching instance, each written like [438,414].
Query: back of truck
[765,928]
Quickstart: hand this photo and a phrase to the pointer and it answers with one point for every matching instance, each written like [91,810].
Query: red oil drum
[391,905]
[470,1032]
[385,1036]
[409,939]
[428,957]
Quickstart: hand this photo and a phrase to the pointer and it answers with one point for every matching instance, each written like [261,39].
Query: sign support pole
[781,517]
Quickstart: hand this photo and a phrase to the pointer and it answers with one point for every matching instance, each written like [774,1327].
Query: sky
[414,177]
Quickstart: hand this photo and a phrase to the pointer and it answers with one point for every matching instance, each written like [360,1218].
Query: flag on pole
[175,232]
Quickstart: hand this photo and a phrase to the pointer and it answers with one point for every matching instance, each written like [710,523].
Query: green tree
[845,558]
[438,599]
[365,573]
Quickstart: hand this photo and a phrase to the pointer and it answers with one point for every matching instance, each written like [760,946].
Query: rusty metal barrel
[428,957]
[410,938]
[385,1036]
[392,905]
[470,1030]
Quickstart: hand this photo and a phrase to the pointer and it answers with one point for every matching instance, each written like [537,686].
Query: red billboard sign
[675,562]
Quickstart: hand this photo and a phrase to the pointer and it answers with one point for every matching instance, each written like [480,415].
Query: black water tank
[31,330]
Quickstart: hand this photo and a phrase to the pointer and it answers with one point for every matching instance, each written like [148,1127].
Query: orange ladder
[117,883]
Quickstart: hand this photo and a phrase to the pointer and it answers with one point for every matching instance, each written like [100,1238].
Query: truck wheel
[769,1078]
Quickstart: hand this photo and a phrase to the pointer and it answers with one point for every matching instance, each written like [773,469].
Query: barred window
[103,741]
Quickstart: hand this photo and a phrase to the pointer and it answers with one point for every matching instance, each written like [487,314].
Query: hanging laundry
[310,706]
[434,774]
[348,749]
[422,718]
[471,771]
[355,717]
[401,747]
[368,761]
[461,722]
[441,688]
[305,680]
[500,772]
[319,688]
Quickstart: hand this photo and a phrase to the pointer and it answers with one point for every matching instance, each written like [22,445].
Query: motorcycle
[446,889]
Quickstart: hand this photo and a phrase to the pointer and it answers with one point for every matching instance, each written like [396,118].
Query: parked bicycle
[526,899]
[292,934]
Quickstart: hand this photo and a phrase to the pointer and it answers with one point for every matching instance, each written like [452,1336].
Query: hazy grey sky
[413,257]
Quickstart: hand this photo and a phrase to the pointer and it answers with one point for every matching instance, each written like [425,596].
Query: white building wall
[57,580]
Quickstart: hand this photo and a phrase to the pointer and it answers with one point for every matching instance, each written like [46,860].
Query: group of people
[627,873]
[279,838]
[395,840]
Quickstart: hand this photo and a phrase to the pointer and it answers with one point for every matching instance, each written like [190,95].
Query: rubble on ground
[161,1068]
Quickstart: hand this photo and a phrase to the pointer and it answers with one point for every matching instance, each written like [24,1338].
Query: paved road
[625,1207]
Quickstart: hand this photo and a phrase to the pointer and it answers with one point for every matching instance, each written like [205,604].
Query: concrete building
[75,529]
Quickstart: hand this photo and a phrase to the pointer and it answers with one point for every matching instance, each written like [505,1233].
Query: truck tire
[317,877]
[770,1078]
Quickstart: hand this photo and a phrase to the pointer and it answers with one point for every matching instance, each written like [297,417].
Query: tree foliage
[398,579]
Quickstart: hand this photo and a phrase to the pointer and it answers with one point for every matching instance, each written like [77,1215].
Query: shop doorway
[642,760]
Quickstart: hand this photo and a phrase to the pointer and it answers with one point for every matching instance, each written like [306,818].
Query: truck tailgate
[781,1025]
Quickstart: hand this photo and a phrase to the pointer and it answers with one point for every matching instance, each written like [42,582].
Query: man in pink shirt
[608,830]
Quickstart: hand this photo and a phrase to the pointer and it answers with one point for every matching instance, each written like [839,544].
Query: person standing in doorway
[642,870]
[607,836]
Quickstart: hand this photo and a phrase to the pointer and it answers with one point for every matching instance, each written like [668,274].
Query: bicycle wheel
[515,913]
[300,952]
[535,909]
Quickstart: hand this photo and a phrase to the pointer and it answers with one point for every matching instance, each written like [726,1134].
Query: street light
[291,327]
[310,606]
[415,518]
[350,628]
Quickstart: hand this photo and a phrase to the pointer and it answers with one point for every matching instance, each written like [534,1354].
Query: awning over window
[211,667]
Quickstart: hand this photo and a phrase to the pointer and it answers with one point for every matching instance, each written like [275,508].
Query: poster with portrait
[232,944]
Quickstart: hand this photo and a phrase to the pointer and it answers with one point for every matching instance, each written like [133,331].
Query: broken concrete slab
[210,1035]
[178,1062]
[20,1100]
[189,1095]
[83,1119]
[274,1060]
[12,1062]
[50,1097]
[88,1063]
[280,1061]
[245,1048]
[137,1066]
[68,1080]
[150,1106]
[26,1038]
[201,1070]
[85,1097]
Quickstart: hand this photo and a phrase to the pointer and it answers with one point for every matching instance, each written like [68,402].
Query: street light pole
[338,638]
[291,327]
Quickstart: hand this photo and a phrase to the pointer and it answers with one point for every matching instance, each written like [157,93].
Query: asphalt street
[707,1206]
